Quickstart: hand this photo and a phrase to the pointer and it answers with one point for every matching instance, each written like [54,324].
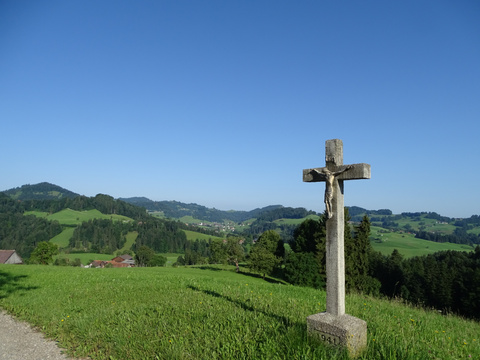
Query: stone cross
[321,324]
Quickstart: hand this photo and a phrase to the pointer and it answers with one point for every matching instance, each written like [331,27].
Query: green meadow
[206,313]
[430,225]
[408,245]
[74,217]
[295,221]
[62,239]
[192,236]
[130,237]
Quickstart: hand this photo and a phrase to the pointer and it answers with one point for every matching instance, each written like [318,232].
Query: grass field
[430,225]
[131,237]
[204,313]
[192,236]
[192,220]
[386,241]
[73,217]
[171,258]
[62,239]
[295,221]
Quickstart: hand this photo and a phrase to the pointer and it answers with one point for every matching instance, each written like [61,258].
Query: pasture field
[63,239]
[191,220]
[206,313]
[158,214]
[41,214]
[171,258]
[295,221]
[192,236]
[131,237]
[386,241]
[74,217]
[430,225]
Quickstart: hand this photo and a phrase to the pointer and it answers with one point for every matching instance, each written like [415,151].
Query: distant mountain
[41,191]
[176,209]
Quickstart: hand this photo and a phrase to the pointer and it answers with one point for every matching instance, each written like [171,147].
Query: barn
[10,257]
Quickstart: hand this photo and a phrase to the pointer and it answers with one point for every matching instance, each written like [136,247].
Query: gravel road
[19,341]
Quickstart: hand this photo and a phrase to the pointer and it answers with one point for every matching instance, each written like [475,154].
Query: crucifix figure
[334,327]
[333,175]
[329,177]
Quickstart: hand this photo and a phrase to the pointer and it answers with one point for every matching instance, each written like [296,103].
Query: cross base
[344,331]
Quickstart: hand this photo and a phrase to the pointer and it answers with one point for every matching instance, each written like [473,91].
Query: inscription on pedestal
[327,338]
[345,330]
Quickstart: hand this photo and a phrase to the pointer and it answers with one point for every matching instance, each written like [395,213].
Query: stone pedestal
[343,330]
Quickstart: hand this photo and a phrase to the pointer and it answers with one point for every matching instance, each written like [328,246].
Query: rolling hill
[41,191]
[411,233]
[177,210]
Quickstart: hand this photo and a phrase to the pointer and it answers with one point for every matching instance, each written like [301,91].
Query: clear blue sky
[223,103]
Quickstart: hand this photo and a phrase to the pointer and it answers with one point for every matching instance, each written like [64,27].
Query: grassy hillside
[386,241]
[295,221]
[194,313]
[62,239]
[193,235]
[131,237]
[74,217]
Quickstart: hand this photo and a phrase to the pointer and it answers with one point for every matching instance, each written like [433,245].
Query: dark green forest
[20,232]
[448,281]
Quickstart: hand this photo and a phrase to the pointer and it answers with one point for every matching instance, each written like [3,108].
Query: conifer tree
[363,246]
[305,265]
[357,254]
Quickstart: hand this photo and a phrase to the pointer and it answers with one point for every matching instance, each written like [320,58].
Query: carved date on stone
[328,338]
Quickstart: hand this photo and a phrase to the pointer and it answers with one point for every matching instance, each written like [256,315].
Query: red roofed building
[118,262]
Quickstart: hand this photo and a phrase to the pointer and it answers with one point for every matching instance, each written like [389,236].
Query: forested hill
[41,191]
[26,223]
[176,209]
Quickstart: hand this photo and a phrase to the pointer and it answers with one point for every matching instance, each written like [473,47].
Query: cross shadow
[207,267]
[267,279]
[243,305]
[244,273]
[11,283]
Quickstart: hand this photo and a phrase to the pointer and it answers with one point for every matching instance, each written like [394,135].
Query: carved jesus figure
[329,178]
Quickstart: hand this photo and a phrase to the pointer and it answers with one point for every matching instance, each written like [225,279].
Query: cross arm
[348,172]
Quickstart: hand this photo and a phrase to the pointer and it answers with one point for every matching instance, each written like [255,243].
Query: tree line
[447,281]
[103,203]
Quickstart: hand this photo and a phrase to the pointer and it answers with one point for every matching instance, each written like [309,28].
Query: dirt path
[19,341]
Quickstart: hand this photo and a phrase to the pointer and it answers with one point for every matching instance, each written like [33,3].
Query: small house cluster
[117,262]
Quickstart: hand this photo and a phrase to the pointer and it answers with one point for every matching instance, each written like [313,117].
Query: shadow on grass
[213,268]
[243,305]
[254,275]
[12,283]
[267,279]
